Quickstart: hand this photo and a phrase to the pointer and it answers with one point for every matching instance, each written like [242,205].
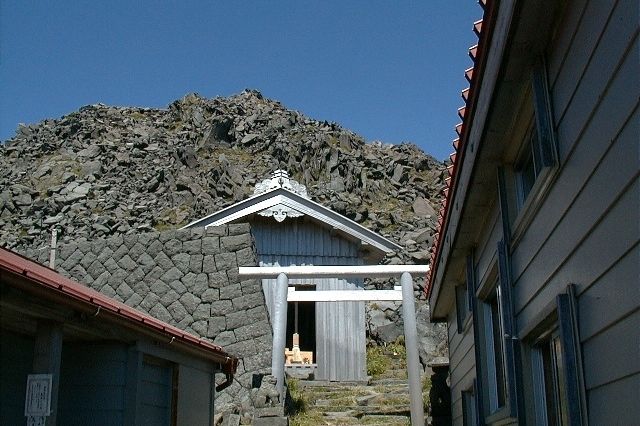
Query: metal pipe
[54,245]
[411,345]
[279,332]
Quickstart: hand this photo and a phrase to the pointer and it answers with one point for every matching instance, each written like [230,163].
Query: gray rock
[172,274]
[221,307]
[422,207]
[235,243]
[231,420]
[225,338]
[210,295]
[210,245]
[90,152]
[225,261]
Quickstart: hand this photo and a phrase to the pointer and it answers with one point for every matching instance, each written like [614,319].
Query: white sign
[38,399]
[36,421]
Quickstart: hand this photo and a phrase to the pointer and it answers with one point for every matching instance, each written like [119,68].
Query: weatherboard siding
[340,326]
[583,229]
[462,364]
[586,229]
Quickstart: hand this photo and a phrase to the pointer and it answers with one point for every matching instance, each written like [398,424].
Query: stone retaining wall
[187,278]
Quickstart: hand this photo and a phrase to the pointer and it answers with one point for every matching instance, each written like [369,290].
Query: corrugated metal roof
[483,29]
[49,280]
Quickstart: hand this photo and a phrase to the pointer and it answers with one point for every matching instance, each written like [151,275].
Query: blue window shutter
[477,344]
[511,347]
[471,283]
[567,322]
[544,116]
[478,398]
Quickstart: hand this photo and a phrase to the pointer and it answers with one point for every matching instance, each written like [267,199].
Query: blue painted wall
[340,326]
[16,359]
[92,384]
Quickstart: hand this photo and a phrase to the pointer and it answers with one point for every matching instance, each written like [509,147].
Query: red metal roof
[52,281]
[483,29]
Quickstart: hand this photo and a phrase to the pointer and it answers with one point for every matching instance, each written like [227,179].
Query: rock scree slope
[103,171]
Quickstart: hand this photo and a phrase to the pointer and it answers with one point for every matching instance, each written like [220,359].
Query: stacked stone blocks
[187,278]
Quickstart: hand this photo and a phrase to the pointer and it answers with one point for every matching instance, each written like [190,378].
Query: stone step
[338,393]
[389,381]
[391,420]
[359,410]
[325,383]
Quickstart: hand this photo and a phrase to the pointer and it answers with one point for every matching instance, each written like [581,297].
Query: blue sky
[388,70]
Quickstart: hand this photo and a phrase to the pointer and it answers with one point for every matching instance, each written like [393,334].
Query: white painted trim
[311,271]
[260,202]
[343,295]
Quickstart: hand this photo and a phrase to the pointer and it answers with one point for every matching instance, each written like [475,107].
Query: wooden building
[291,229]
[91,360]
[536,267]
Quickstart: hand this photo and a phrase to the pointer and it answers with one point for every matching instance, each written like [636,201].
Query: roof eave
[307,206]
[34,278]
[453,196]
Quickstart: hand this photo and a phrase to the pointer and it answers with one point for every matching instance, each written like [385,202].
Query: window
[528,168]
[496,366]
[493,331]
[556,368]
[537,156]
[549,381]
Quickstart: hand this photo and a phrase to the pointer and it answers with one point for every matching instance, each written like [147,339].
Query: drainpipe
[228,368]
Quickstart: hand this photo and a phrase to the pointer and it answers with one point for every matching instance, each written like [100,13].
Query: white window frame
[541,121]
[490,344]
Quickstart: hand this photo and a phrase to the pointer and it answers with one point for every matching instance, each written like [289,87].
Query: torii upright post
[411,346]
[279,332]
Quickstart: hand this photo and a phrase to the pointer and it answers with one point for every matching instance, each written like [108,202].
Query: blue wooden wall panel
[16,357]
[155,395]
[92,384]
[340,326]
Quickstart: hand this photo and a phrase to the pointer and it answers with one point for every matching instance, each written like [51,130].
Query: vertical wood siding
[155,395]
[90,394]
[16,362]
[340,326]
[194,397]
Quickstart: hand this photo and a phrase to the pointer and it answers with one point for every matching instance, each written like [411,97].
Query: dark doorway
[306,322]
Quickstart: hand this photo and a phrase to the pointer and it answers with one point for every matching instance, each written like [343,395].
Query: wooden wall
[586,227]
[340,326]
[586,231]
[16,359]
[90,394]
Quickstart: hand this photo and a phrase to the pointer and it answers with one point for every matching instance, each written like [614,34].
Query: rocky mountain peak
[105,170]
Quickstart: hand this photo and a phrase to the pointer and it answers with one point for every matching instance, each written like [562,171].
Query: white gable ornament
[280,179]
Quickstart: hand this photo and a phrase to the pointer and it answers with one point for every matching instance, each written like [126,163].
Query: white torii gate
[282,296]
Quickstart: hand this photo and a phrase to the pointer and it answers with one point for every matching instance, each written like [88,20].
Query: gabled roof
[282,197]
[32,277]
